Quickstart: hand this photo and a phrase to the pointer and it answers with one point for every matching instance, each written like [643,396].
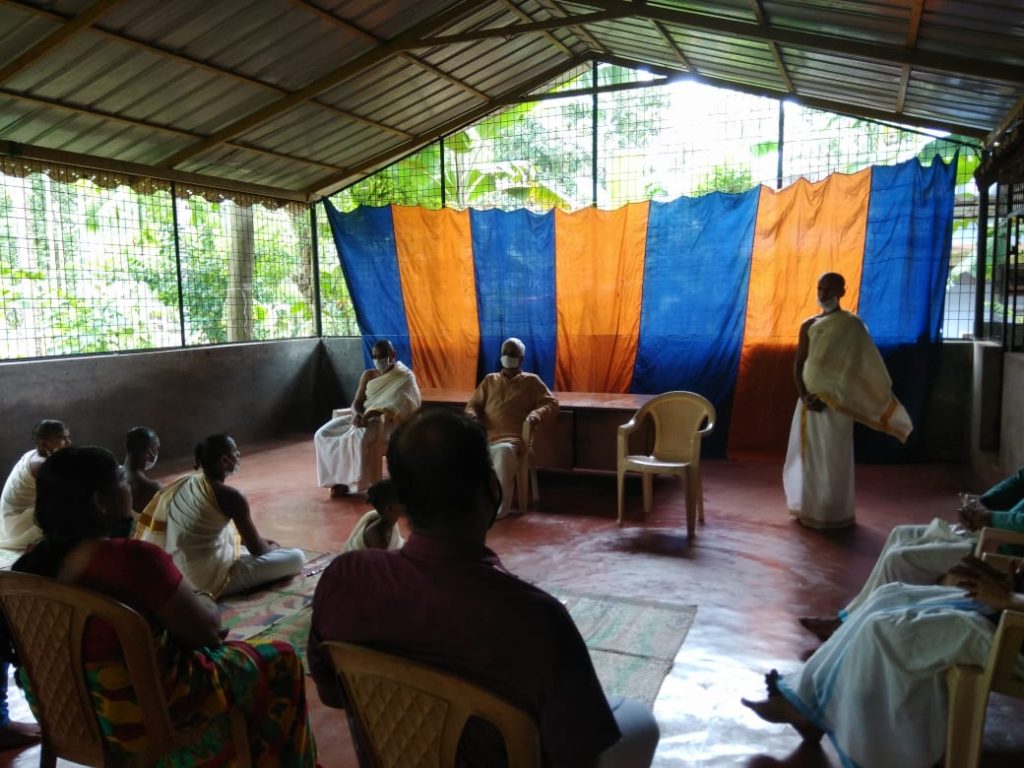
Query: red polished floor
[750,570]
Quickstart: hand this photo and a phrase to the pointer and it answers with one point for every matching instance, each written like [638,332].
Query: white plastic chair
[681,420]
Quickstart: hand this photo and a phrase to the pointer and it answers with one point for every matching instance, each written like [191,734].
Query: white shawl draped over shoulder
[845,369]
[18,505]
[394,392]
[185,519]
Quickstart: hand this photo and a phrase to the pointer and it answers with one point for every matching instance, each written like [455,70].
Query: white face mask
[151,463]
[382,364]
[829,305]
[508,361]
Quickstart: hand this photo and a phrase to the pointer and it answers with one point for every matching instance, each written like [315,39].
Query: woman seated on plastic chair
[83,500]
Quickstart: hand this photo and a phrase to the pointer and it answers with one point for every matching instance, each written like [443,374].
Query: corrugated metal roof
[296,98]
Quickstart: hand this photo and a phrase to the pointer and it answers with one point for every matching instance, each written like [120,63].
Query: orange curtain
[435,260]
[801,231]
[599,274]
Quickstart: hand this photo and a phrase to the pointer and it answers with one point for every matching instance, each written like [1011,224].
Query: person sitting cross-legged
[502,402]
[445,600]
[378,528]
[203,522]
[349,447]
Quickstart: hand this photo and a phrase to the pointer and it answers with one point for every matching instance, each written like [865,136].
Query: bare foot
[15,735]
[822,627]
[337,491]
[778,709]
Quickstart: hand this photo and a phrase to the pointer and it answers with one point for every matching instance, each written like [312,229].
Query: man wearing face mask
[141,449]
[348,446]
[445,600]
[840,378]
[202,522]
[502,402]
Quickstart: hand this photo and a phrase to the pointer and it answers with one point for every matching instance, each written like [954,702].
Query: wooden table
[583,434]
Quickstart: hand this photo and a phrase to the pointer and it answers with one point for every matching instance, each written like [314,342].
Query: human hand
[358,420]
[532,418]
[973,514]
[271,544]
[983,582]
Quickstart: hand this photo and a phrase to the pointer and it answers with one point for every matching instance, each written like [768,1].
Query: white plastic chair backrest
[680,419]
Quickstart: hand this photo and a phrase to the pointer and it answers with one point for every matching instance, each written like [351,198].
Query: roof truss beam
[90,14]
[332,185]
[416,61]
[959,65]
[197,64]
[403,42]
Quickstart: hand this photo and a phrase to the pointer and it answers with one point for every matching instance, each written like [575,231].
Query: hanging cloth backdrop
[703,294]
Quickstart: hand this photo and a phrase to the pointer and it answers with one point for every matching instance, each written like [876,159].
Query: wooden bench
[583,434]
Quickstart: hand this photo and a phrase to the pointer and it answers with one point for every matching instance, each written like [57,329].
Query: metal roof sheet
[298,97]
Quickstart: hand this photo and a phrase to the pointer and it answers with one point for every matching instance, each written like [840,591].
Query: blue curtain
[365,239]
[695,297]
[514,265]
[903,283]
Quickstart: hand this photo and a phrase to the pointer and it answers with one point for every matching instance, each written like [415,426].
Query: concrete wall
[265,391]
[1011,437]
[253,391]
[997,414]
[945,432]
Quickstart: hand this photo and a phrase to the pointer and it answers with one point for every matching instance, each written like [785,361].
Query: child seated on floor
[378,528]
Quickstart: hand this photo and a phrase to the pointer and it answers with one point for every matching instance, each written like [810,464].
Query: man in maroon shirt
[444,599]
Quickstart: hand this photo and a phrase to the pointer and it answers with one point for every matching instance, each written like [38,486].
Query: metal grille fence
[93,262]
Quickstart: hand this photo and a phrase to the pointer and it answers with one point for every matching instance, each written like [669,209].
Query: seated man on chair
[922,554]
[445,600]
[502,402]
[348,448]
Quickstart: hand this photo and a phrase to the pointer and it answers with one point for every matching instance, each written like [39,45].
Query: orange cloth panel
[435,260]
[801,231]
[599,276]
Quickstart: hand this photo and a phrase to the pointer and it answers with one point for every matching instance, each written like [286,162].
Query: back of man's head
[439,462]
[138,439]
[48,429]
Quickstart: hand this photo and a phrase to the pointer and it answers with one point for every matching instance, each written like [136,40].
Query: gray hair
[519,345]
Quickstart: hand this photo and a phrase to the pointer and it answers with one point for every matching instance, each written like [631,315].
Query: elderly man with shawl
[841,378]
[349,448]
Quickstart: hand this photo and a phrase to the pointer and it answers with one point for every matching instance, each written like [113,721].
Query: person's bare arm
[235,506]
[359,401]
[191,619]
[803,346]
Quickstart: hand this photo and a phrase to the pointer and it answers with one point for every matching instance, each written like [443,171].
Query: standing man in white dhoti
[349,448]
[841,378]
[502,402]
